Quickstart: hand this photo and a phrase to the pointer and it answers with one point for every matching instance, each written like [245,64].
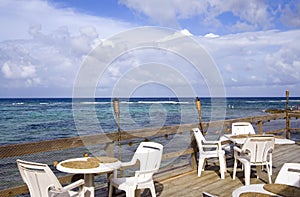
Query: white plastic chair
[238,128]
[205,154]
[257,151]
[42,182]
[289,174]
[149,155]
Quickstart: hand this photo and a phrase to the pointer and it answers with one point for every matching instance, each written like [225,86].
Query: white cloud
[211,14]
[234,80]
[255,13]
[253,59]
[285,63]
[266,58]
[17,16]
[114,71]
[290,14]
[16,71]
[211,35]
[186,32]
[242,27]
[44,46]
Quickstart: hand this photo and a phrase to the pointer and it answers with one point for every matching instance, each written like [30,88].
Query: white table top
[242,140]
[259,188]
[103,167]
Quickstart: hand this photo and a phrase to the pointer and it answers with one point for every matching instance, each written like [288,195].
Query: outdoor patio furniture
[149,155]
[256,151]
[289,174]
[238,128]
[209,149]
[42,182]
[286,183]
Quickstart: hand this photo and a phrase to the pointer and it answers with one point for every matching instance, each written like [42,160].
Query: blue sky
[254,44]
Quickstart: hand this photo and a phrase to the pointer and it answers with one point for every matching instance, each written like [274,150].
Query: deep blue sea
[36,119]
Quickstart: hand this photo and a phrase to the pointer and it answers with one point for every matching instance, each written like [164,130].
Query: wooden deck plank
[189,184]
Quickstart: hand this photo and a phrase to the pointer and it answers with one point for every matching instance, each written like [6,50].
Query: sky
[254,46]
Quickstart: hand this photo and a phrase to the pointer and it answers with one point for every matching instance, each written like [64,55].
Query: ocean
[36,119]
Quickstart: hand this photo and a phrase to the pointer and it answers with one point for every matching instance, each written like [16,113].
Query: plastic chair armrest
[237,149]
[123,164]
[218,143]
[73,185]
[126,164]
[213,142]
[146,171]
[210,146]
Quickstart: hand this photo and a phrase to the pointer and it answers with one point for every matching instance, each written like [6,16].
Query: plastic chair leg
[222,161]
[247,173]
[110,190]
[234,169]
[200,165]
[152,190]
[269,174]
[130,192]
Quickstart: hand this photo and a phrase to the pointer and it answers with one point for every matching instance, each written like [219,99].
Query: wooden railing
[291,115]
[108,139]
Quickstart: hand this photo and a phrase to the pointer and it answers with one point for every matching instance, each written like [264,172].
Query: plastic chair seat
[123,183]
[212,154]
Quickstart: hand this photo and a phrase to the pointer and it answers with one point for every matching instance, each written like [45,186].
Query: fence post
[109,149]
[116,106]
[260,127]
[287,117]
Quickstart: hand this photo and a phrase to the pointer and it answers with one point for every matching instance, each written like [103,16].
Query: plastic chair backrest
[238,128]
[199,139]
[289,174]
[38,177]
[149,155]
[259,148]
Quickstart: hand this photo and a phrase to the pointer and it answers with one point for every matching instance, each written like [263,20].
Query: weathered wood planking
[190,185]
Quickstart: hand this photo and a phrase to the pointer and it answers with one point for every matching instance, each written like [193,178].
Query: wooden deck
[189,184]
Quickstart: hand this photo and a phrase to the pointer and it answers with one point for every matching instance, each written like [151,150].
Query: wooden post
[194,154]
[260,127]
[117,114]
[198,106]
[109,149]
[287,126]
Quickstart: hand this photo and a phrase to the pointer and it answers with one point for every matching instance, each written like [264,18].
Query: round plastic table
[88,172]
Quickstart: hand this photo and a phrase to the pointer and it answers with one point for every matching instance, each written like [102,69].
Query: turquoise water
[27,120]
